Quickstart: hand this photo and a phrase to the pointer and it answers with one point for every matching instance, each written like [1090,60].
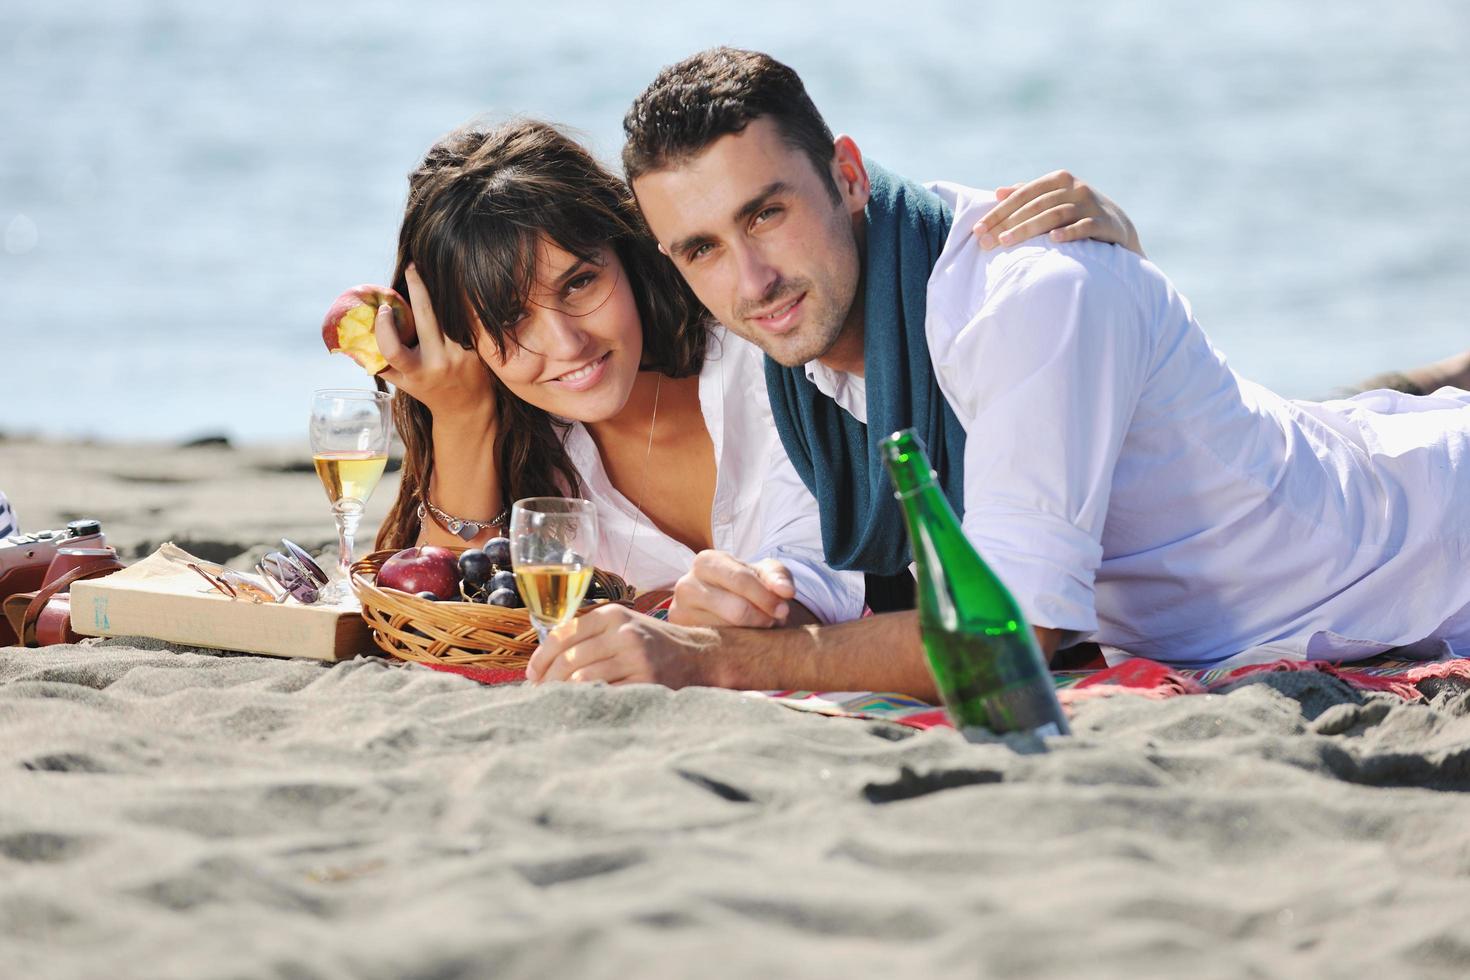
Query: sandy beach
[174,813]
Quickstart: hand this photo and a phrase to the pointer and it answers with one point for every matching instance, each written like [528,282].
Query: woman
[559,353]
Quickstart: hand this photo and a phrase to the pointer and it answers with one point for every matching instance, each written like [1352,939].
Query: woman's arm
[458,390]
[1060,204]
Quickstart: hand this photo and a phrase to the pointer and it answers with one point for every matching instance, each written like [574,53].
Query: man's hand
[721,590]
[619,646]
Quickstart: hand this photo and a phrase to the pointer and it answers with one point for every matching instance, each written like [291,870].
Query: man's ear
[850,173]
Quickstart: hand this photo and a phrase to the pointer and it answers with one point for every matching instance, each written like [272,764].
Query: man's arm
[615,645]
[1043,347]
[880,653]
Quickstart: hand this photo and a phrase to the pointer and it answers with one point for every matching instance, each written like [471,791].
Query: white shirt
[1129,487]
[761,508]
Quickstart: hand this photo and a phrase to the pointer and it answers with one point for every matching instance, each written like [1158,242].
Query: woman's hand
[449,380]
[1058,203]
[721,590]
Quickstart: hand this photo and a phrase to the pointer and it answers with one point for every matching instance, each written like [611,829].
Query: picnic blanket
[1412,680]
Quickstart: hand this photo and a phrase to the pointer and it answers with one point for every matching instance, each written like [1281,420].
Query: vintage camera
[25,559]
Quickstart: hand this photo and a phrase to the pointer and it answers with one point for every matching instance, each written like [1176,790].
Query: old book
[164,599]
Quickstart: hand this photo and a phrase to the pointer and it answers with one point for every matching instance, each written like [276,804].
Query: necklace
[647,455]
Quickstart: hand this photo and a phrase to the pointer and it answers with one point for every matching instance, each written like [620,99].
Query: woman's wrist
[465,487]
[472,423]
[464,528]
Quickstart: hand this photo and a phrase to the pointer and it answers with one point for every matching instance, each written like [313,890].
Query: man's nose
[757,275]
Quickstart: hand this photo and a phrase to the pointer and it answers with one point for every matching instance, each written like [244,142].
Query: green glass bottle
[982,652]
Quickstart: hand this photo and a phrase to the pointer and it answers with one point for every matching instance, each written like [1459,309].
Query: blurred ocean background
[184,187]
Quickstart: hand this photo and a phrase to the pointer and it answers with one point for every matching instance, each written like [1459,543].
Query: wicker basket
[462,634]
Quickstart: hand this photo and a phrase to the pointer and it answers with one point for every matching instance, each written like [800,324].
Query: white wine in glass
[551,544]
[349,474]
[350,430]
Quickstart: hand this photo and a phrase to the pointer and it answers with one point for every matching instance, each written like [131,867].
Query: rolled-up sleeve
[1043,368]
[791,532]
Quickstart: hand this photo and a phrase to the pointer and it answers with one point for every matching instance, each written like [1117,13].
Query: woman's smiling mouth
[585,376]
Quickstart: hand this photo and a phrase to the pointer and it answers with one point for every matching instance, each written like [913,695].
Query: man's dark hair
[716,93]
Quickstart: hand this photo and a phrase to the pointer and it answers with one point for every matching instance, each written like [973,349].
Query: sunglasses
[290,572]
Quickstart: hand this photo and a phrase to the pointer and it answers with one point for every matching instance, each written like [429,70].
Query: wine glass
[350,429]
[551,542]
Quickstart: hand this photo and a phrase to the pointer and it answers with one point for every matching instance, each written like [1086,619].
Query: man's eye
[766,214]
[700,251]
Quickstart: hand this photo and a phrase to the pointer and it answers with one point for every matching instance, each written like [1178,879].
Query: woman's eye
[581,282]
[700,252]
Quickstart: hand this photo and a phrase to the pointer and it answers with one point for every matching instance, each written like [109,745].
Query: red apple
[348,328]
[427,569]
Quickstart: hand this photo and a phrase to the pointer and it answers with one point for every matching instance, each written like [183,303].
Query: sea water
[184,187]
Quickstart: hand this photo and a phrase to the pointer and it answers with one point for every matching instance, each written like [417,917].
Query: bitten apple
[348,328]
[426,569]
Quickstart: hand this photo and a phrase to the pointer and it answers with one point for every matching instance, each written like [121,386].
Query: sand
[172,813]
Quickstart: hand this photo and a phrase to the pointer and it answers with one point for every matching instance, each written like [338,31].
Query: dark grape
[505,598]
[426,595]
[498,551]
[597,591]
[504,579]
[474,567]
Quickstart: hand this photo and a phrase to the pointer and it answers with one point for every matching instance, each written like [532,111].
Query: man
[1110,467]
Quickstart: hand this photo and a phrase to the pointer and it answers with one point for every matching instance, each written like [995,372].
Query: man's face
[754,229]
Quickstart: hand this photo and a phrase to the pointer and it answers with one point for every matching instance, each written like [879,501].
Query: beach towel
[1412,680]
[1086,676]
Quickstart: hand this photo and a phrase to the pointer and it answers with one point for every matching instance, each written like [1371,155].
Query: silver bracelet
[466,529]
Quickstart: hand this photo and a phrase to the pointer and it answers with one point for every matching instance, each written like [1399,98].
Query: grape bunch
[485,575]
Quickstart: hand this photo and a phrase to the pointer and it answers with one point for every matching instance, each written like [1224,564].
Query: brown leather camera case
[23,610]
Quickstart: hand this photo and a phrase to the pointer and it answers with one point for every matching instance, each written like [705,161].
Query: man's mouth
[781,318]
[585,376]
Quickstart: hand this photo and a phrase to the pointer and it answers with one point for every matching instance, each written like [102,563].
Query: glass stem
[347,520]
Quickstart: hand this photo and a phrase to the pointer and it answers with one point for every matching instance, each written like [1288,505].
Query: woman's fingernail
[384,308]
[987,240]
[782,611]
[1006,237]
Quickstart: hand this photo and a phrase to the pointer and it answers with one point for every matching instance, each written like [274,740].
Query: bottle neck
[931,484]
[908,466]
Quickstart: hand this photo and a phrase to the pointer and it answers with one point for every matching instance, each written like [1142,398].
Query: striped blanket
[1411,680]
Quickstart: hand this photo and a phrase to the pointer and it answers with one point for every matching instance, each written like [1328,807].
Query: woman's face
[576,348]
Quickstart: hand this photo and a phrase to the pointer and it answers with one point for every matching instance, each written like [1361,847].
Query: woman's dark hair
[477,206]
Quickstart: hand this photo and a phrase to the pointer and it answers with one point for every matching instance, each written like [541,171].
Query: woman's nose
[564,334]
